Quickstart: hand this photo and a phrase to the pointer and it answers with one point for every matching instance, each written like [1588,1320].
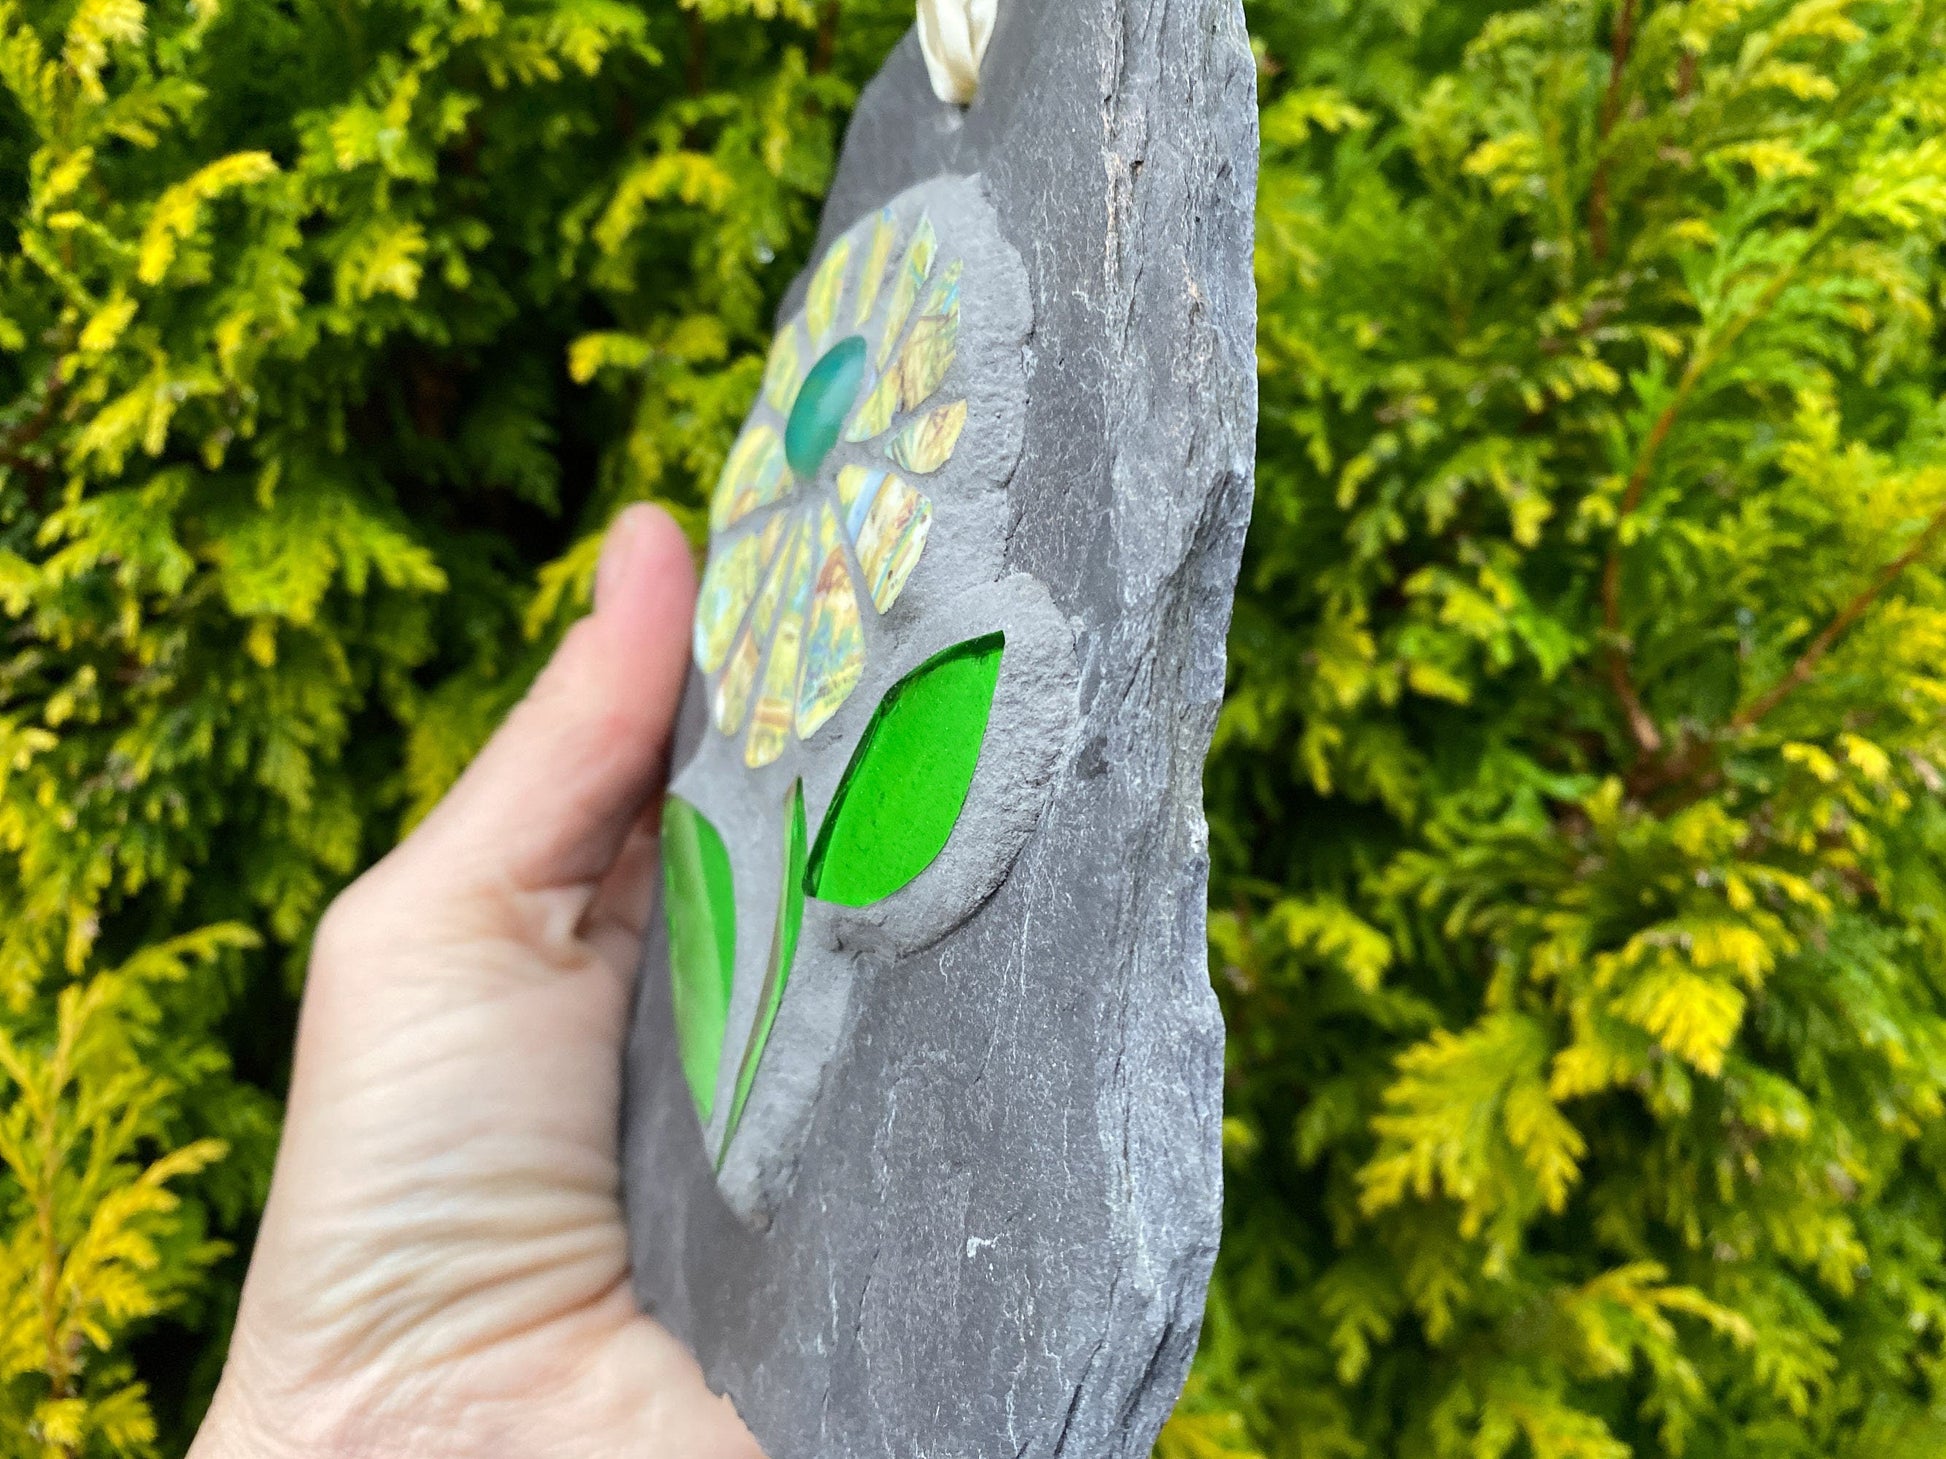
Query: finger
[618,916]
[551,800]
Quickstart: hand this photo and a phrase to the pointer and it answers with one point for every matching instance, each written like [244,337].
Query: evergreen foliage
[1577,802]
[330,337]
[1576,810]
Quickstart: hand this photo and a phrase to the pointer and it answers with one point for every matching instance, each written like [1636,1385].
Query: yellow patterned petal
[927,444]
[929,353]
[884,235]
[887,522]
[874,417]
[773,533]
[834,650]
[858,489]
[770,729]
[853,482]
[943,296]
[764,620]
[728,586]
[913,274]
[827,289]
[785,371]
[733,689]
[753,477]
[927,357]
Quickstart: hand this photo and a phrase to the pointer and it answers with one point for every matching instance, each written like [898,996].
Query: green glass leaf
[701,908]
[907,782]
[823,401]
[783,952]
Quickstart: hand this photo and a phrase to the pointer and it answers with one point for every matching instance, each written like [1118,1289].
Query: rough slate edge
[897,1308]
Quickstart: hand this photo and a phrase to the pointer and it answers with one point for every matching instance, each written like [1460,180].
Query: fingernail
[616,549]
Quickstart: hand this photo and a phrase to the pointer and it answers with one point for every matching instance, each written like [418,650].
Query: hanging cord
[954,36]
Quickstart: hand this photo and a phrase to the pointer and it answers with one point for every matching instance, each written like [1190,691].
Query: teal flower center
[824,402]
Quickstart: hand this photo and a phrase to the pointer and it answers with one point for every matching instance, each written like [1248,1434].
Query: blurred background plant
[331,336]
[1577,802]
[1576,811]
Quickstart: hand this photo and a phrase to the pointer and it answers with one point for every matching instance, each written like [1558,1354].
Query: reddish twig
[1697,762]
[1621,43]
[696,68]
[1642,726]
[13,448]
[1814,653]
[827,43]
[32,429]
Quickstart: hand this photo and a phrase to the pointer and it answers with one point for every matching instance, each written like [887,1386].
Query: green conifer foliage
[1576,811]
[330,337]
[1577,807]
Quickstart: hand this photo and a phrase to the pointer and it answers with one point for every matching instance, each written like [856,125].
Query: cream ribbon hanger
[954,36]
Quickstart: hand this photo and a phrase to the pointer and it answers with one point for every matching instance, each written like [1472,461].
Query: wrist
[228,1432]
[248,1421]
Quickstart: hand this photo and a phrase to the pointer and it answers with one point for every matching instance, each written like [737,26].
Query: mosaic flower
[807,527]
[797,809]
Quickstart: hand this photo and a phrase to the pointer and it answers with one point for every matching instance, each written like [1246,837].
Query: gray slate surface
[999,1232]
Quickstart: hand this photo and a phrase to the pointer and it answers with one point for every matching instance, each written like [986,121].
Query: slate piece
[972,1202]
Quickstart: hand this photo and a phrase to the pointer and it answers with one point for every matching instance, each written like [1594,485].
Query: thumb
[552,798]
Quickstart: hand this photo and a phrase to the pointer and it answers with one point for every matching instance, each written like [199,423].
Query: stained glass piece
[732,698]
[739,680]
[913,273]
[943,297]
[826,292]
[822,405]
[773,533]
[834,650]
[784,370]
[729,583]
[903,792]
[855,487]
[783,952]
[770,727]
[753,477]
[765,618]
[884,234]
[927,444]
[874,417]
[888,530]
[701,911]
[927,356]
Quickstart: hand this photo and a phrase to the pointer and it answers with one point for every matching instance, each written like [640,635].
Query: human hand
[442,1270]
